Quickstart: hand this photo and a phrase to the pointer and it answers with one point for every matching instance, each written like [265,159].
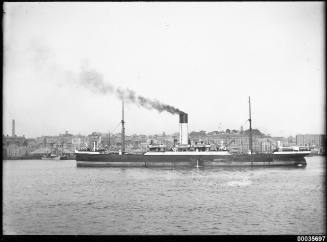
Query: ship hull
[140,160]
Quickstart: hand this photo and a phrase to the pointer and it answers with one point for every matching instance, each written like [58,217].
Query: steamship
[185,154]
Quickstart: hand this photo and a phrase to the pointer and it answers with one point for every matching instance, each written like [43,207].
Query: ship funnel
[183,128]
[278,144]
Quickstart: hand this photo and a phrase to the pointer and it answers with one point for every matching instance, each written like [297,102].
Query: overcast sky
[202,58]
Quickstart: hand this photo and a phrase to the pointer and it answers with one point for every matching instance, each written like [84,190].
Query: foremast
[250,131]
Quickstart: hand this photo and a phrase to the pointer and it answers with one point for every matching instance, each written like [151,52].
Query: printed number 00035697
[311,238]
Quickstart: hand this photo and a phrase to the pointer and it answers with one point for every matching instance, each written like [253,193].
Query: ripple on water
[69,200]
[239,183]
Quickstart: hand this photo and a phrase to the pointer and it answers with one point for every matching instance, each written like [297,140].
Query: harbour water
[56,197]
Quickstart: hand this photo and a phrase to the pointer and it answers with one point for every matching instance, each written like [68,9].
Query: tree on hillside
[254,132]
[200,133]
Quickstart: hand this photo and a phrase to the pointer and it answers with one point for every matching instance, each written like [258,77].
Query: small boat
[63,157]
[50,157]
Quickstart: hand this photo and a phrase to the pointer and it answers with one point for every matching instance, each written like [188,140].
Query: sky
[204,59]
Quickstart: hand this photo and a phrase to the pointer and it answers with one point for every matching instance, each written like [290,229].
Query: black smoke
[94,81]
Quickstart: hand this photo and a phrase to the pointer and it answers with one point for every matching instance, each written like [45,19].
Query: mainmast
[109,139]
[122,130]
[250,133]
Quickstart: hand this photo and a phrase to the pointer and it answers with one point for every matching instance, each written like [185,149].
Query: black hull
[140,160]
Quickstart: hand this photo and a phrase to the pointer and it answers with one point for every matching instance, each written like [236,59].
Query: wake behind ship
[185,154]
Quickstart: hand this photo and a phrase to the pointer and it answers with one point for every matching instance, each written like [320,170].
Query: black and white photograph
[164,118]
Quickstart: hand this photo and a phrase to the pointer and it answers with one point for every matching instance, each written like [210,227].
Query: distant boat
[64,157]
[50,157]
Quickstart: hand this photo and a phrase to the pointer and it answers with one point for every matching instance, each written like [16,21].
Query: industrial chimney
[183,129]
[13,128]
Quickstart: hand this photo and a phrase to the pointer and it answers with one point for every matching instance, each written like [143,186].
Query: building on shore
[317,142]
[234,140]
[14,146]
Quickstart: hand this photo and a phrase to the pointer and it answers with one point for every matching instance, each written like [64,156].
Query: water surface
[56,197]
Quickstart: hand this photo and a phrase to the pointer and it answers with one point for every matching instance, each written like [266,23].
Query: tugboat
[53,155]
[50,156]
[185,154]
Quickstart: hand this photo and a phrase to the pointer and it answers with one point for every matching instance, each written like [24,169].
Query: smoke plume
[94,81]
[43,59]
